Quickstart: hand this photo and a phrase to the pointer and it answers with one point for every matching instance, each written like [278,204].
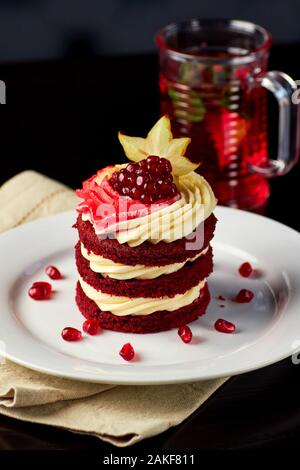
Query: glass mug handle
[282,86]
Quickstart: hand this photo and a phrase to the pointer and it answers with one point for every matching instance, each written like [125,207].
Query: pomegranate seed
[224,326]
[131,180]
[121,176]
[135,193]
[118,187]
[125,191]
[127,352]
[244,296]
[151,188]
[153,159]
[40,291]
[145,199]
[114,177]
[245,269]
[148,181]
[165,166]
[36,293]
[53,272]
[153,198]
[132,167]
[45,285]
[91,326]
[143,165]
[71,334]
[164,188]
[141,180]
[185,334]
[221,297]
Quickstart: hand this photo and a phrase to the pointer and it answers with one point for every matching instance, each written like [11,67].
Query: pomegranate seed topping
[146,199]
[135,193]
[185,334]
[244,296]
[165,166]
[153,160]
[91,326]
[71,334]
[132,167]
[127,352]
[224,326]
[121,176]
[40,291]
[143,164]
[221,297]
[245,269]
[125,191]
[151,187]
[148,181]
[114,177]
[140,181]
[53,272]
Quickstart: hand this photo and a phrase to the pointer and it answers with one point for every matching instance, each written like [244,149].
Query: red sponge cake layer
[166,285]
[153,323]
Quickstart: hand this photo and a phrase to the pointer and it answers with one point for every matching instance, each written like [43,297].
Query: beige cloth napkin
[121,415]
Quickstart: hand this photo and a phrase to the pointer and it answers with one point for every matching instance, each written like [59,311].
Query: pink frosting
[106,207]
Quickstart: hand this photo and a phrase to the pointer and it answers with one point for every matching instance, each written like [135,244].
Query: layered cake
[144,254]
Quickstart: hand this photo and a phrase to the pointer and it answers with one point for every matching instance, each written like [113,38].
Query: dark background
[54,29]
[79,71]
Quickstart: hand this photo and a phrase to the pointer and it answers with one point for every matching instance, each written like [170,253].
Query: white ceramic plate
[268,328]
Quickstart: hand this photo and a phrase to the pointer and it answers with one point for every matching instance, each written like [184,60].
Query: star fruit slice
[160,142]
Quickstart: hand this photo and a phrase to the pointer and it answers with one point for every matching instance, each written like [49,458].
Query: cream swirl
[108,268]
[121,306]
[171,222]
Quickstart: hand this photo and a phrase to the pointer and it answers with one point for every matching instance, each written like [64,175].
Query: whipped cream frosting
[121,306]
[173,221]
[108,268]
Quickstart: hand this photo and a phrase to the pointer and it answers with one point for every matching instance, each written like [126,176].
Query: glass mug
[213,85]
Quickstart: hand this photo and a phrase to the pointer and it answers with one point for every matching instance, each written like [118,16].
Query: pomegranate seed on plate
[71,334]
[244,296]
[53,272]
[185,334]
[224,326]
[40,290]
[91,326]
[245,269]
[127,352]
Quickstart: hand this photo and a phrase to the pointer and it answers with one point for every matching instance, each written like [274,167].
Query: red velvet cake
[144,254]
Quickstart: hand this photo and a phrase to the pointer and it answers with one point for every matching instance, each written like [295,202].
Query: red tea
[213,84]
[227,122]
